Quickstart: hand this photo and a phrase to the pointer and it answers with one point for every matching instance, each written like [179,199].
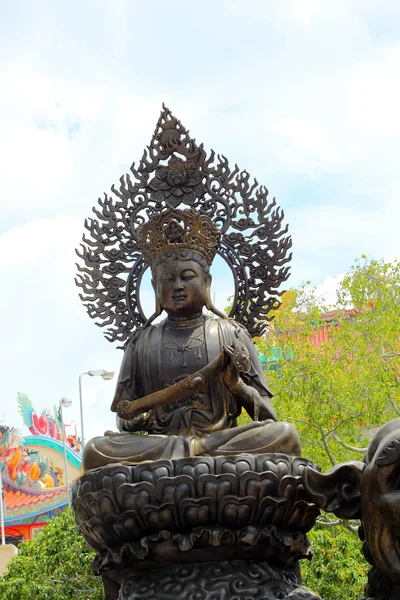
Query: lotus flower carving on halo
[180,181]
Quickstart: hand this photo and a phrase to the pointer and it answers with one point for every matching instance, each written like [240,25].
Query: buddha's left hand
[258,408]
[230,374]
[231,377]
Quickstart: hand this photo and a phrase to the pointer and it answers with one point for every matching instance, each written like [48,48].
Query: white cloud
[374,95]
[47,339]
[327,290]
[304,10]
[305,145]
[26,244]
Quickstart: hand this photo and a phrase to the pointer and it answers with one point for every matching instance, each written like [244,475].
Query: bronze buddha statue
[185,380]
[182,489]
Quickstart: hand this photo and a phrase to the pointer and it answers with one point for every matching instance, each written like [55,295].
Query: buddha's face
[181,287]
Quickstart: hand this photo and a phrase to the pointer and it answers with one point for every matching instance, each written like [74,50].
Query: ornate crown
[176,229]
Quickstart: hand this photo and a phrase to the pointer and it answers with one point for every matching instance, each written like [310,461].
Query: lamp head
[108,375]
[101,373]
[65,402]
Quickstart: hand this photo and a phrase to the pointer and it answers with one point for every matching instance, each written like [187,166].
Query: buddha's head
[181,282]
[179,246]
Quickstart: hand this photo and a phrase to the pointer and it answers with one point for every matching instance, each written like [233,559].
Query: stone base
[233,580]
[152,522]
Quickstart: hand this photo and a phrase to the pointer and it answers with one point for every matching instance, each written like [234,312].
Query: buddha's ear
[338,490]
[159,309]
[208,291]
[208,302]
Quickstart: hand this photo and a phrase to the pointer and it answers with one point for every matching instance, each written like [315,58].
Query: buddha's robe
[202,423]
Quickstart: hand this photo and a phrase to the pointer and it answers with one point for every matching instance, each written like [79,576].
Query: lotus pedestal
[203,528]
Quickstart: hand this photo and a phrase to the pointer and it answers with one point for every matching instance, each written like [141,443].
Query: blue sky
[303,94]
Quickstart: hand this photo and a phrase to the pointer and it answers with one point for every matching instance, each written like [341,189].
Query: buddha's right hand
[140,423]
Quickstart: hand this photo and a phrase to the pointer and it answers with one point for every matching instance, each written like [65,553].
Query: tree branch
[352,448]
[301,421]
[393,403]
[325,444]
[343,421]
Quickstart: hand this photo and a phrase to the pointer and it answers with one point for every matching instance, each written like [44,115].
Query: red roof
[20,502]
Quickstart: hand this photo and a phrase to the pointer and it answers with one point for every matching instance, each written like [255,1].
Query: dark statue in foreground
[187,378]
[369,491]
[202,508]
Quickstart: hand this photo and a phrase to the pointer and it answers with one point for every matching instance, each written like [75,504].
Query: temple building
[33,472]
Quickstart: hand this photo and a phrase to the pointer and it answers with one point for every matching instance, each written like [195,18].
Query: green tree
[337,569]
[337,382]
[339,391]
[54,566]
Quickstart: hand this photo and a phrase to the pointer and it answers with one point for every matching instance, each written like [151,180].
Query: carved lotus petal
[100,534]
[87,528]
[197,512]
[161,185]
[288,488]
[195,468]
[113,479]
[188,198]
[236,512]
[277,463]
[133,496]
[258,485]
[153,471]
[174,489]
[236,465]
[302,516]
[127,527]
[85,485]
[272,510]
[158,196]
[82,513]
[217,486]
[100,503]
[161,517]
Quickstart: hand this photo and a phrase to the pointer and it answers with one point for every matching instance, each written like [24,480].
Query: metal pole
[65,453]
[81,409]
[3,537]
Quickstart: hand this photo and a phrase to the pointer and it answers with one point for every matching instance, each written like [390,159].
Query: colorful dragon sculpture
[21,465]
[45,423]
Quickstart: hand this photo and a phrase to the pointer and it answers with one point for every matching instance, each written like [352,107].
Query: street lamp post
[3,537]
[65,402]
[106,375]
